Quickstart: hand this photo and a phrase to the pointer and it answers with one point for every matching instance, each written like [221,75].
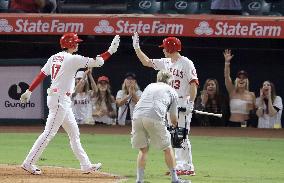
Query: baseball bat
[207,113]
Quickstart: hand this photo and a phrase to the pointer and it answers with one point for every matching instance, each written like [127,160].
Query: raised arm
[228,81]
[82,82]
[93,83]
[100,59]
[144,59]
[271,110]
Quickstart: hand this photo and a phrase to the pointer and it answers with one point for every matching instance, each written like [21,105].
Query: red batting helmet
[171,44]
[69,40]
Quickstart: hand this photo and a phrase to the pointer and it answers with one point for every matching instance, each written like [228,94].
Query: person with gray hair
[149,123]
[164,77]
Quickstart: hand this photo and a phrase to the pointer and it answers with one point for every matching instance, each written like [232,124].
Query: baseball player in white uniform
[148,125]
[185,82]
[62,68]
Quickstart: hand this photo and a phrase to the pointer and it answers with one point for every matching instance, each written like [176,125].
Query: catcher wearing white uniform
[185,82]
[62,67]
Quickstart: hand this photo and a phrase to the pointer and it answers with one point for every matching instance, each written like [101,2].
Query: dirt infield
[13,173]
[123,130]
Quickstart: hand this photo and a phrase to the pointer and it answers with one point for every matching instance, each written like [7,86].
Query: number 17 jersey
[62,67]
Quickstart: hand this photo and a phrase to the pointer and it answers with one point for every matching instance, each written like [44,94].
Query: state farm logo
[231,29]
[55,25]
[4,26]
[103,27]
[129,27]
[203,28]
[145,4]
[181,5]
[254,6]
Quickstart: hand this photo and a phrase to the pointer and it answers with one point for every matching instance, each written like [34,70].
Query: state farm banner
[14,82]
[145,25]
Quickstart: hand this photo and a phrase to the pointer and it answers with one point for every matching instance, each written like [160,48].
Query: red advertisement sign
[145,25]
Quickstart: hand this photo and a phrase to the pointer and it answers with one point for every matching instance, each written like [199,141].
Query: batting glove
[135,39]
[99,61]
[189,106]
[114,44]
[25,97]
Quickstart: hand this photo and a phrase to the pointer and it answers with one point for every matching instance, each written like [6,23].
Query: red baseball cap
[103,78]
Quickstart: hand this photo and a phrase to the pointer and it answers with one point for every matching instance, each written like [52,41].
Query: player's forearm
[144,59]
[174,120]
[106,55]
[192,91]
[38,79]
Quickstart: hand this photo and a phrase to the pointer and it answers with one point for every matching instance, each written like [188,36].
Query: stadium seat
[92,6]
[180,6]
[277,8]
[256,7]
[4,5]
[204,6]
[145,6]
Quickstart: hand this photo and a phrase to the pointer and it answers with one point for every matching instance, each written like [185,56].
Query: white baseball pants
[60,113]
[183,155]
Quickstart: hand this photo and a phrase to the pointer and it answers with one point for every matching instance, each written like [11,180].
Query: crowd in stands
[229,7]
[93,102]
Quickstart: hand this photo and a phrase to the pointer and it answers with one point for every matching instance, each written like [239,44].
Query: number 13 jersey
[183,72]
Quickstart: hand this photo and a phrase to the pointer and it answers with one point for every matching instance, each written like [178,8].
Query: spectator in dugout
[81,98]
[269,107]
[126,98]
[211,100]
[226,7]
[32,6]
[103,103]
[242,101]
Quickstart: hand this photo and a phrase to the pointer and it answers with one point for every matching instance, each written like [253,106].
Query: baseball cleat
[181,181]
[32,169]
[93,168]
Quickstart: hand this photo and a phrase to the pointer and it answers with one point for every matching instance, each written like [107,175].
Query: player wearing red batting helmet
[62,68]
[171,44]
[69,40]
[185,83]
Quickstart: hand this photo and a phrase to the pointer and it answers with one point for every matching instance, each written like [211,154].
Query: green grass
[216,159]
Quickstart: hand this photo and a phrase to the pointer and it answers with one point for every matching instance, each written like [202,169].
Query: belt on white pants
[51,91]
